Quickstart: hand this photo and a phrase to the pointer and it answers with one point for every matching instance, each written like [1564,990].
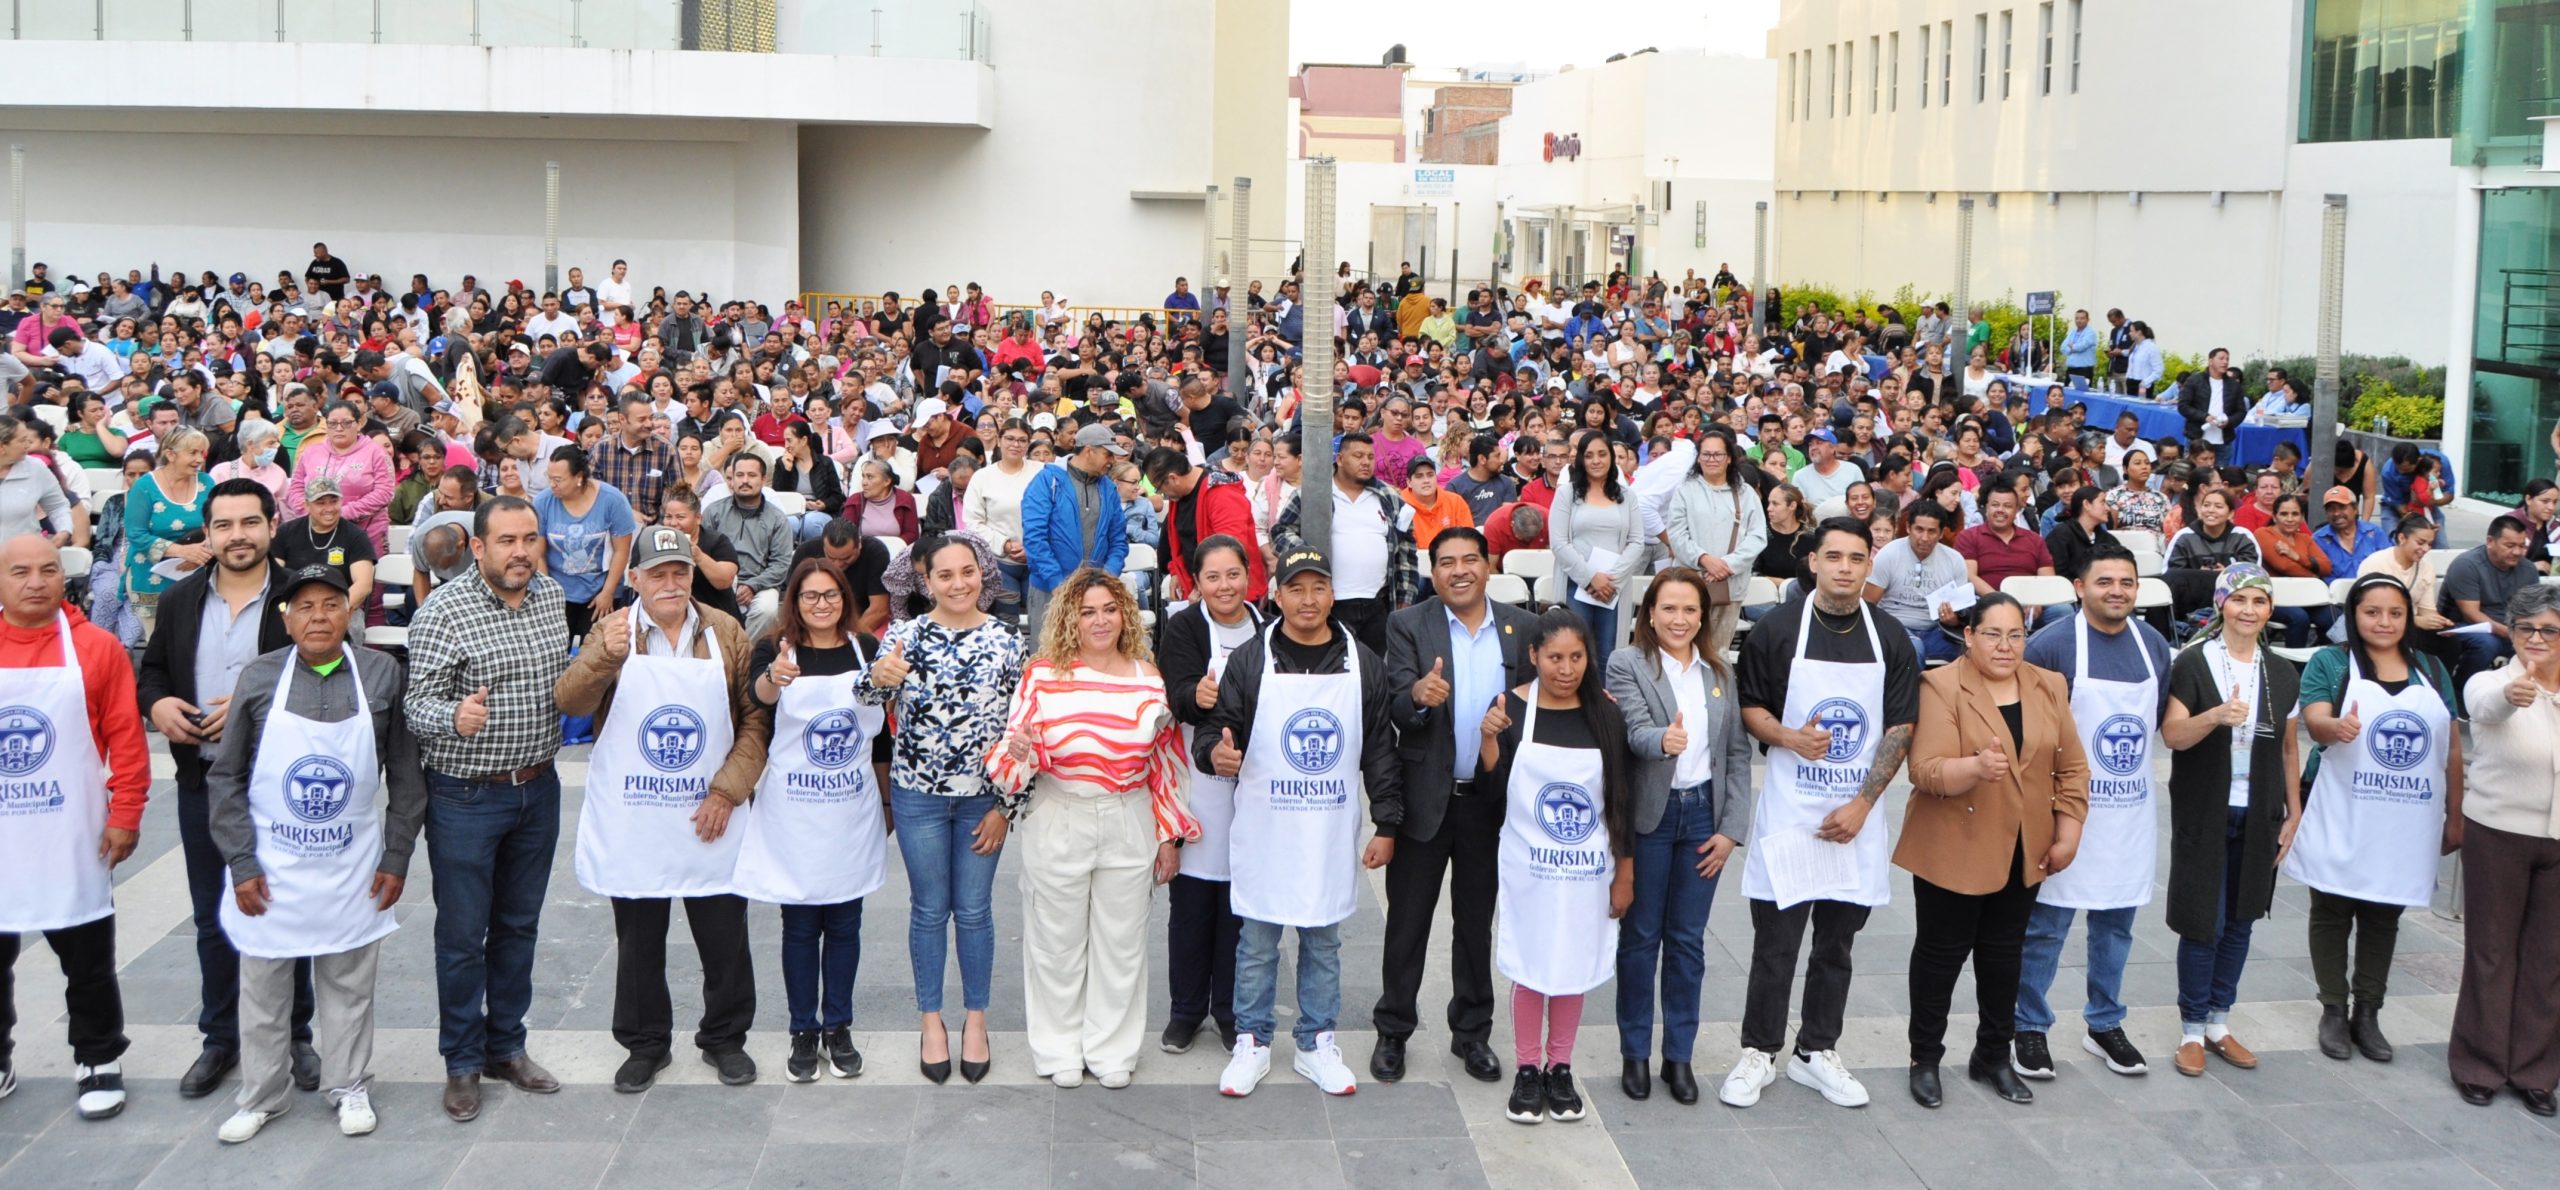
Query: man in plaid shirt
[637,463]
[484,653]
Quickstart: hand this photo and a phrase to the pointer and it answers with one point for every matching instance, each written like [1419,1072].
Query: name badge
[337,557]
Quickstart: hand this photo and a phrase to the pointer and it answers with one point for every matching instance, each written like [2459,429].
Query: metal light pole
[2333,300]
[1759,268]
[1239,280]
[1209,273]
[1315,413]
[17,214]
[550,227]
[1964,263]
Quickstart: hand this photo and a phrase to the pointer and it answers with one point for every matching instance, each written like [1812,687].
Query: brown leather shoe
[524,1074]
[2190,1059]
[2230,1050]
[462,1098]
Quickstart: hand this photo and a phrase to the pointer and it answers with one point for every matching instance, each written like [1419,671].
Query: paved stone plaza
[2298,1120]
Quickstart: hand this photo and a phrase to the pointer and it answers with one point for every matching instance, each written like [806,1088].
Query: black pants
[2375,928]
[1949,927]
[217,965]
[1776,935]
[88,956]
[1200,951]
[643,1019]
[1367,620]
[1463,851]
[581,617]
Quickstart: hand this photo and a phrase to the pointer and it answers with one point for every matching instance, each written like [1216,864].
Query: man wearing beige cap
[2346,538]
[325,538]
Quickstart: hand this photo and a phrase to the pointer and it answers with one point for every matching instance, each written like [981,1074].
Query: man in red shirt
[1519,525]
[74,771]
[1199,505]
[937,433]
[1997,549]
[1556,455]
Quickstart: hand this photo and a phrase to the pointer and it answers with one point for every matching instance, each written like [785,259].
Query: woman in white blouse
[1598,539]
[2506,1032]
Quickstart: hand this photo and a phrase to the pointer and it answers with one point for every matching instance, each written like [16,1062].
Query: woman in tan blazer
[1999,789]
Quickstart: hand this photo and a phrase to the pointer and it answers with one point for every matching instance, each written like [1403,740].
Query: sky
[1540,34]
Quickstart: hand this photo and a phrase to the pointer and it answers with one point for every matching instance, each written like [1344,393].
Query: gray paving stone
[1412,1164]
[574,1113]
[1396,1111]
[1850,1153]
[1134,1115]
[1114,1165]
[208,1164]
[1268,1165]
[828,1113]
[977,1166]
[1703,1160]
[85,1157]
[2352,1133]
[377,1164]
[831,1167]
[1971,1153]
[1276,1111]
[988,1114]
[2230,1139]
[2291,1077]
[553,1165]
[2278,1177]
[2441,1173]
[705,1114]
[651,1165]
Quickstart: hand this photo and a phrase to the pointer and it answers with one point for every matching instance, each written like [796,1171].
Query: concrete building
[859,145]
[2172,158]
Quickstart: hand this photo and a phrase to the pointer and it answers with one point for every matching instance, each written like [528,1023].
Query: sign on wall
[1567,145]
[1435,183]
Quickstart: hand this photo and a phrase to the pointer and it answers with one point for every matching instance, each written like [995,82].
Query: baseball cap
[1822,434]
[448,408]
[1414,361]
[326,576]
[659,543]
[2337,495]
[320,485]
[1302,561]
[239,278]
[383,388]
[1044,421]
[929,409]
[1099,435]
[1365,376]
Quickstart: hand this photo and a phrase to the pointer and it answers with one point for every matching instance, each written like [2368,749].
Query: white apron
[1796,794]
[652,766]
[1297,799]
[1551,910]
[816,836]
[314,797]
[2120,843]
[2373,823]
[1213,798]
[53,800]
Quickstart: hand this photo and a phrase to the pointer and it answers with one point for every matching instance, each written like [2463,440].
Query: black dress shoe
[975,1072]
[735,1067]
[1925,1090]
[2364,1027]
[462,1098]
[211,1067]
[1386,1059]
[2475,1094]
[2003,1081]
[1681,1081]
[1478,1058]
[306,1067]
[1635,1077]
[638,1072]
[2333,1032]
[524,1074]
[2539,1103]
[937,1073]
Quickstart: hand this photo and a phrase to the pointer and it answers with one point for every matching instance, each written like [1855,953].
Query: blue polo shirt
[2346,556]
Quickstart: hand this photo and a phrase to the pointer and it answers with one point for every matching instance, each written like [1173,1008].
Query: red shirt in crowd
[1996,560]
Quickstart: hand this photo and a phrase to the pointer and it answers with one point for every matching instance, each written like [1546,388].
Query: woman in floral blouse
[948,675]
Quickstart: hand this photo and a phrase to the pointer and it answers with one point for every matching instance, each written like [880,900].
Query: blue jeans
[2110,940]
[1935,644]
[2305,627]
[947,884]
[1603,622]
[1666,928]
[809,524]
[2209,971]
[2480,651]
[821,952]
[490,845]
[1016,583]
[1258,980]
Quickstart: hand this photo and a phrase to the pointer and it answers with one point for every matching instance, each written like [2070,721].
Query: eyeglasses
[2535,632]
[822,597]
[339,423]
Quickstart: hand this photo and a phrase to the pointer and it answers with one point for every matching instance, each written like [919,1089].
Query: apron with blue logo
[816,836]
[655,755]
[314,799]
[1846,698]
[53,801]
[2120,843]
[1295,859]
[1551,910]
[2373,821]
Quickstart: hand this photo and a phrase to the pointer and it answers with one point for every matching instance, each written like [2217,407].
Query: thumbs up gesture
[1813,740]
[2235,710]
[1433,688]
[2351,724]
[891,671]
[1496,720]
[473,714]
[1675,739]
[1206,693]
[1226,759]
[1994,761]
[1018,745]
[2523,691]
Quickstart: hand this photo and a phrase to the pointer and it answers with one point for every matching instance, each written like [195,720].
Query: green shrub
[2412,415]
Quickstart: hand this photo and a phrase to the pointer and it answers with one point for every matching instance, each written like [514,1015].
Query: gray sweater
[762,538]
[328,699]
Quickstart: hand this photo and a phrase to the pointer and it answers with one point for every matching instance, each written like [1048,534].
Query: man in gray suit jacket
[1448,659]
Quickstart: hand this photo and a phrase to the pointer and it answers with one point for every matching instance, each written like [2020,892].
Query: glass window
[2515,387]
[2381,69]
[2075,47]
[2510,73]
[1893,72]
[1924,68]
[1981,56]
[2044,40]
[1946,61]
[1875,73]
[2008,22]
[1831,85]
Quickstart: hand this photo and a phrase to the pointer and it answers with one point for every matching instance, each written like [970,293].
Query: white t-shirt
[1818,487]
[2243,676]
[1360,548]
[1907,580]
[611,297]
[2116,453]
[1697,764]
[559,326]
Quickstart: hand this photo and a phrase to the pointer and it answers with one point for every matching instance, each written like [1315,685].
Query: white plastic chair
[1507,588]
[55,416]
[2338,588]
[395,571]
[791,504]
[2039,590]
[2149,563]
[2137,540]
[105,481]
[1761,591]
[2437,560]
[400,539]
[2291,591]
[2149,593]
[76,561]
[1141,558]
[386,637]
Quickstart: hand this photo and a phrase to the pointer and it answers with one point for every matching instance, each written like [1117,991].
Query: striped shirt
[1094,732]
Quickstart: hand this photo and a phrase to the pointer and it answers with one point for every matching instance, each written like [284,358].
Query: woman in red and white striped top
[1093,739]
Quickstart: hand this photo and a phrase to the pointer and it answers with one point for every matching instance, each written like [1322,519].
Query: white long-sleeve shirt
[992,507]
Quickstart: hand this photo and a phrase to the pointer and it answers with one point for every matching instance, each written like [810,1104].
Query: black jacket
[2200,799]
[2195,401]
[1183,654]
[825,491]
[1427,746]
[169,661]
[1378,320]
[1241,692]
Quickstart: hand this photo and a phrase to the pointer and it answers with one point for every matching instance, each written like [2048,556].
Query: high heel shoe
[974,1071]
[937,1072]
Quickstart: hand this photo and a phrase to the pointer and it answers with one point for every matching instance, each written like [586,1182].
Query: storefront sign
[1435,183]
[1565,145]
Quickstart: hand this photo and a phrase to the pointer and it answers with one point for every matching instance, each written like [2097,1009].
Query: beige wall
[1249,127]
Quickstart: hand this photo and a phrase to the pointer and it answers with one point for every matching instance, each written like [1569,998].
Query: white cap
[930,408]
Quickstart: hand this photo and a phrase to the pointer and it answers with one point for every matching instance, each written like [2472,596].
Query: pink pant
[1562,1016]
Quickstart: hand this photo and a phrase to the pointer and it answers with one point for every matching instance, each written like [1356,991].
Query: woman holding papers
[2000,788]
[2234,802]
[1598,538]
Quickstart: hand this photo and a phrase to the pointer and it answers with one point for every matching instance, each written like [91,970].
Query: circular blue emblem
[2398,740]
[1567,813]
[671,738]
[833,738]
[1313,740]
[315,788]
[1847,725]
[26,740]
[2121,744]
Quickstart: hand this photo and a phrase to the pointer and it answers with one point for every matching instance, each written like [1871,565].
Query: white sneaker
[1824,1072]
[1742,1087]
[101,1090]
[355,1113]
[1323,1066]
[1116,1080]
[244,1124]
[8,1080]
[1067,1080]
[1245,1071]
